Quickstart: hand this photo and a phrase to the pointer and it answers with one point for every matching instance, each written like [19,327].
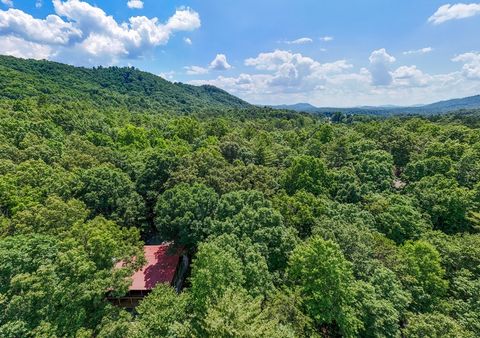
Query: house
[164,264]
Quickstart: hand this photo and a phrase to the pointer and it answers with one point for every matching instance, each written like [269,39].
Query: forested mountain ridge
[441,107]
[102,87]
[297,225]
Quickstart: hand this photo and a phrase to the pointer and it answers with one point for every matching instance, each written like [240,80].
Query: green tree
[307,173]
[237,314]
[184,213]
[324,277]
[49,287]
[422,274]
[375,171]
[54,217]
[447,204]
[110,192]
[301,210]
[434,325]
[250,214]
[382,304]
[397,217]
[160,313]
[214,270]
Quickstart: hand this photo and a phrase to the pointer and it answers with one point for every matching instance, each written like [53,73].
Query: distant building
[164,265]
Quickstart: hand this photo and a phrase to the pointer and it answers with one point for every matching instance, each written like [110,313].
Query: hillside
[441,107]
[107,87]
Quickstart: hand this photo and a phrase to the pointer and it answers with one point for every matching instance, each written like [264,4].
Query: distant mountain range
[471,102]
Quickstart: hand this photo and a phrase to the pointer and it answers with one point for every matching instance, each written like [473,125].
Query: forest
[297,225]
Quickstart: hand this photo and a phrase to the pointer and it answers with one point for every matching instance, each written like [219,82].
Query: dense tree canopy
[296,225]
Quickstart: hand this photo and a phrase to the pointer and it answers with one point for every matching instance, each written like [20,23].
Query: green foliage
[297,225]
[382,304]
[160,314]
[446,203]
[301,211]
[126,88]
[422,274]
[237,314]
[375,171]
[397,217]
[110,192]
[307,173]
[250,214]
[49,286]
[324,278]
[184,212]
[213,272]
[434,325]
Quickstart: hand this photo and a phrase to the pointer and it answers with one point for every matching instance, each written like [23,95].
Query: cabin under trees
[164,264]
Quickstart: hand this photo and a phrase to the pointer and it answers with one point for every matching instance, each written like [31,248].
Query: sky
[334,53]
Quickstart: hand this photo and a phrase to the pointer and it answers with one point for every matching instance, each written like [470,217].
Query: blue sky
[328,53]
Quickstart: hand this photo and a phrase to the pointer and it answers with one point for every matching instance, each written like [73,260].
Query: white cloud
[284,77]
[188,41]
[300,41]
[81,33]
[136,4]
[379,67]
[220,63]
[410,76]
[287,72]
[381,56]
[168,75]
[471,64]
[10,45]
[326,38]
[420,51]
[38,4]
[454,12]
[51,31]
[196,70]
[8,3]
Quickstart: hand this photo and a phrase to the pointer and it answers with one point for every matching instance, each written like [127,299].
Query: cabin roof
[162,261]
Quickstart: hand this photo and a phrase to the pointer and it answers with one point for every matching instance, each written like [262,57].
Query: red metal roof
[160,267]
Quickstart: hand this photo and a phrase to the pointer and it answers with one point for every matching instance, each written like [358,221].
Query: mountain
[300,107]
[471,102]
[104,87]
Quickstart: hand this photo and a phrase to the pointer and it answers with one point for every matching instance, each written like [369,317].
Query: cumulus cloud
[51,31]
[420,51]
[135,4]
[471,64]
[87,33]
[284,77]
[287,72]
[188,41]
[454,12]
[38,4]
[380,61]
[11,45]
[410,76]
[220,63]
[8,3]
[300,41]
